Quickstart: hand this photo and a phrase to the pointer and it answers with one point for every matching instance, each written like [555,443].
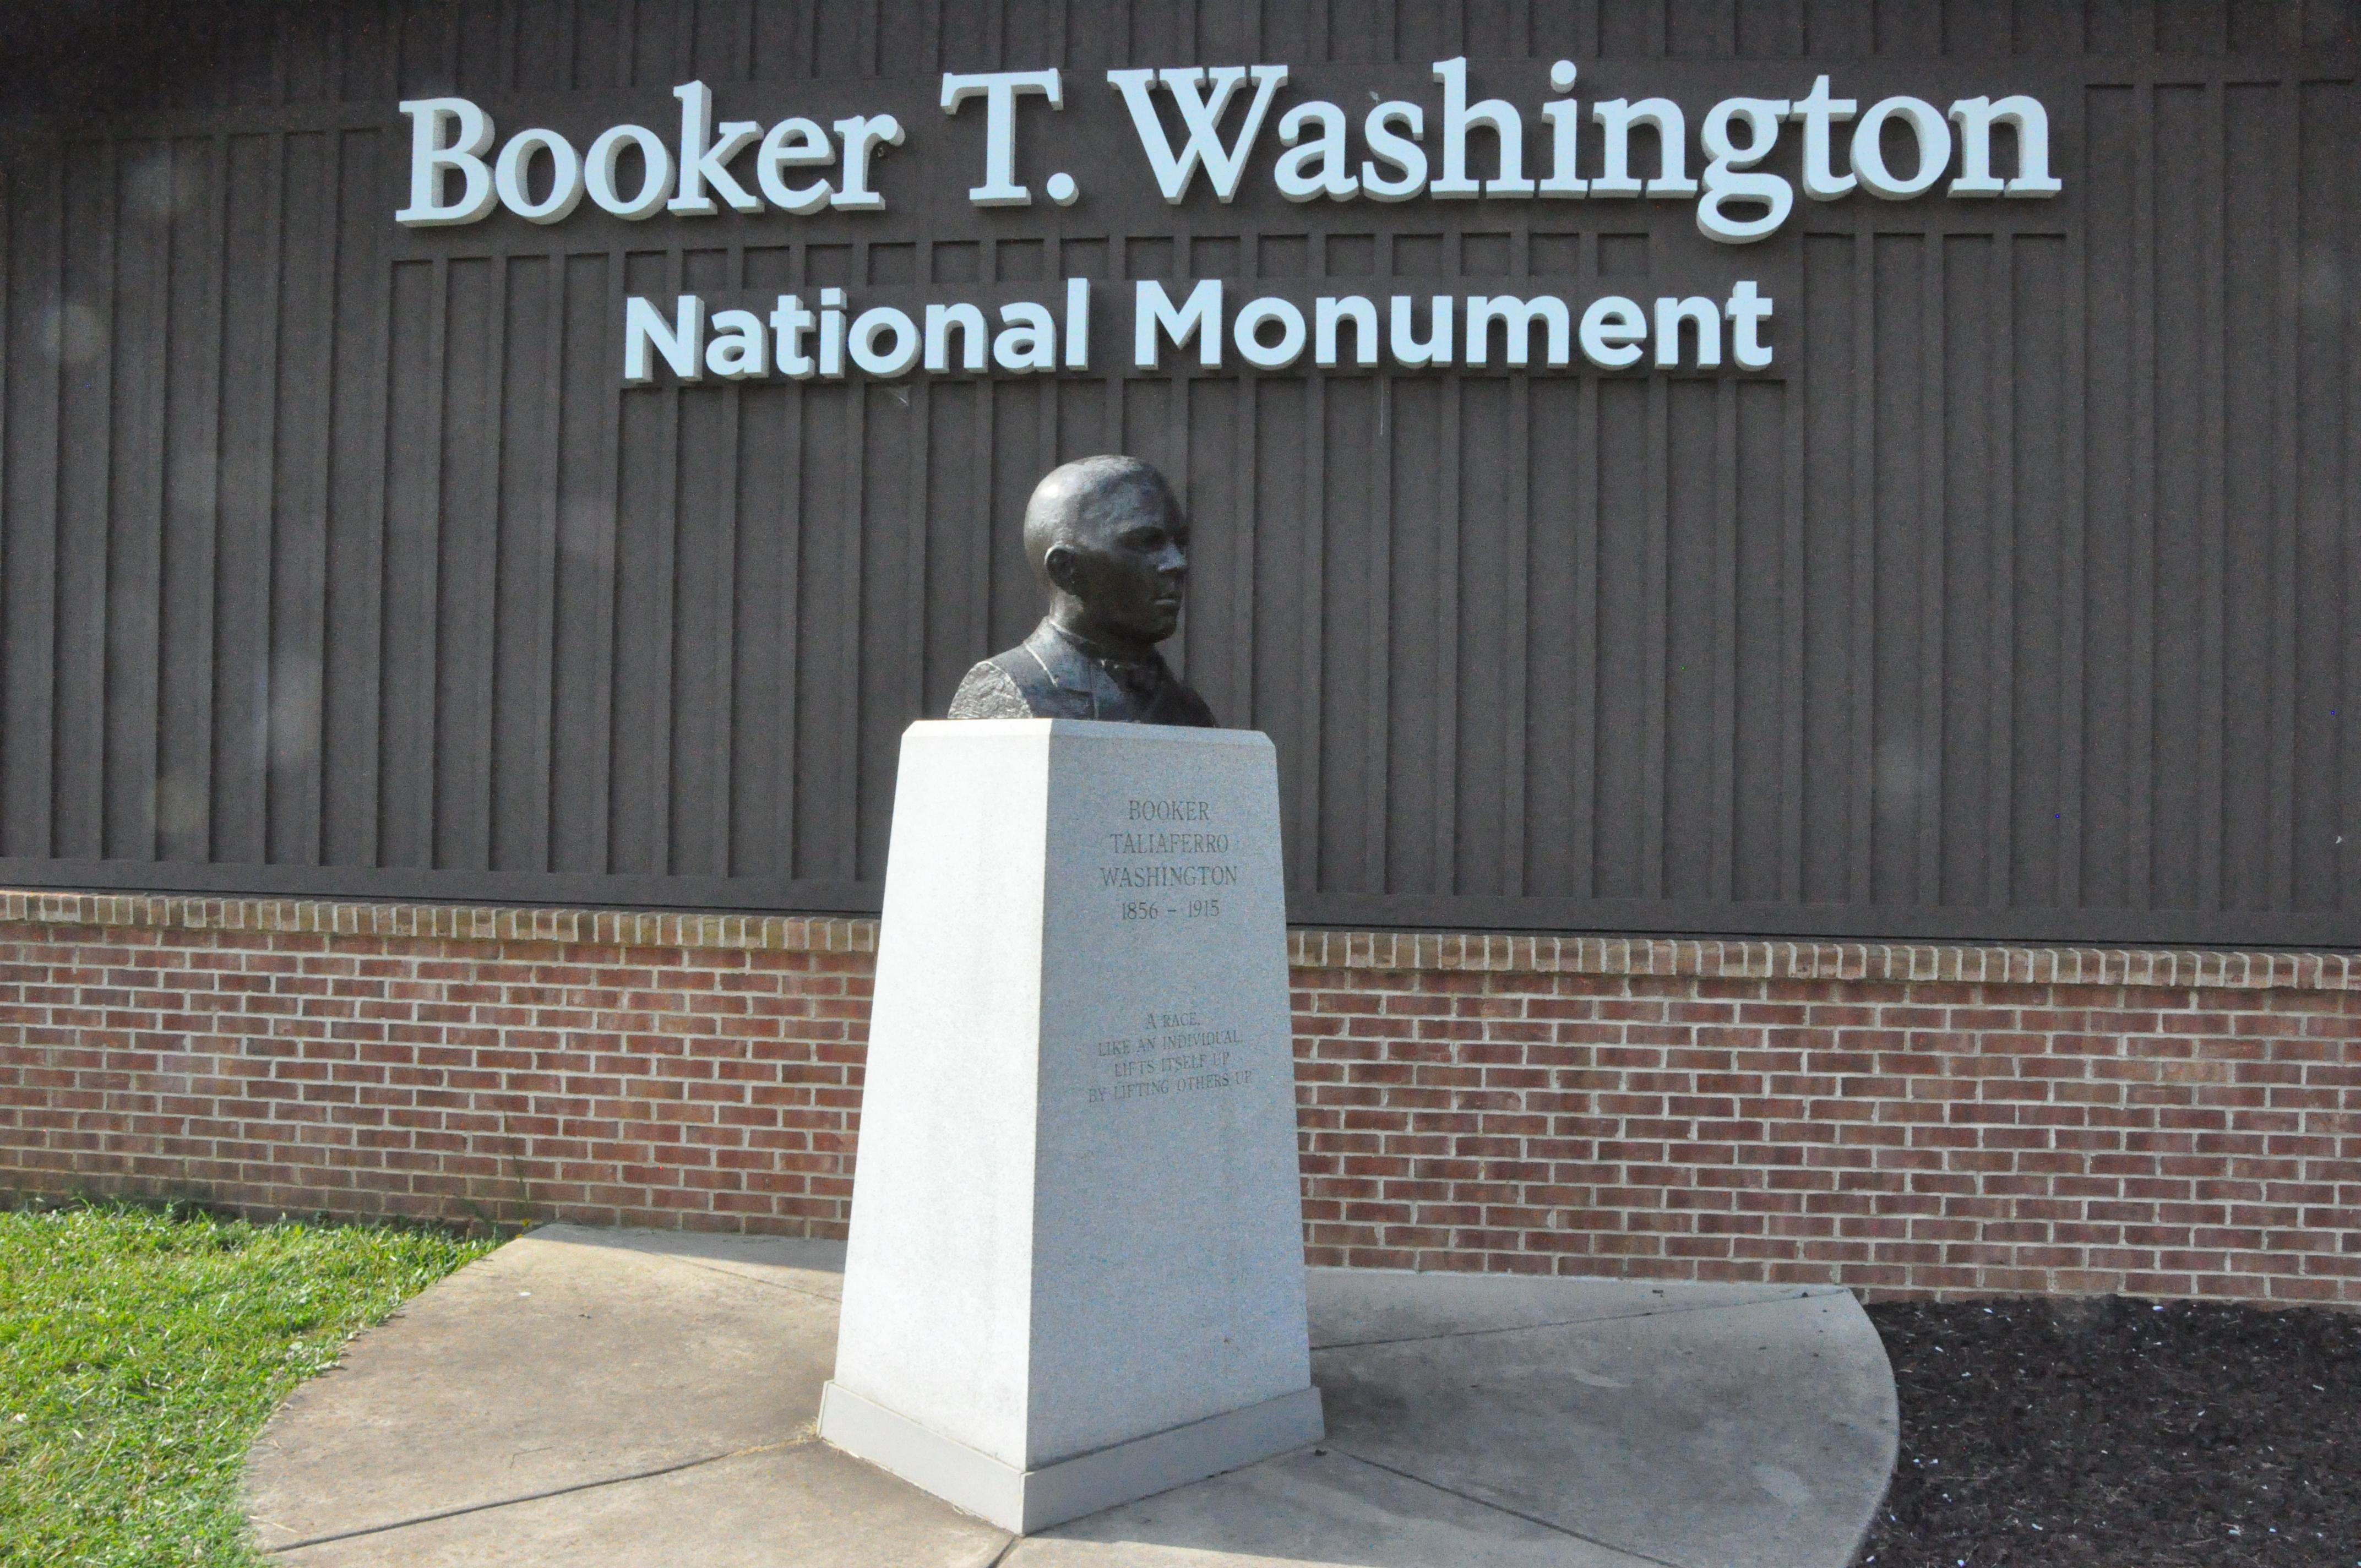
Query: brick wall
[1905,1120]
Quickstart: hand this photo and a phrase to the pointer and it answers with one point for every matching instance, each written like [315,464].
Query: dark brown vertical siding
[193,423]
[582,725]
[473,448]
[412,562]
[85,419]
[28,449]
[705,598]
[136,501]
[528,537]
[297,578]
[1755,675]
[352,670]
[2031,645]
[2327,389]
[2019,598]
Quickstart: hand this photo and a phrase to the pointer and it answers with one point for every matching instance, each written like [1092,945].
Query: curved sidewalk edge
[585,1397]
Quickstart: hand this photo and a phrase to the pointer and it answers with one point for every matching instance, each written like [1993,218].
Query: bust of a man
[1107,539]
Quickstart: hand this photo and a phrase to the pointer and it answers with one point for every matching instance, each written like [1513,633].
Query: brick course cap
[1308,948]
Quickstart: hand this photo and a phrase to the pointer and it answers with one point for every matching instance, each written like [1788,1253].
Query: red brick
[1931,1138]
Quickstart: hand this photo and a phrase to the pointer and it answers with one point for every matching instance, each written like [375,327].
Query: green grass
[142,1348]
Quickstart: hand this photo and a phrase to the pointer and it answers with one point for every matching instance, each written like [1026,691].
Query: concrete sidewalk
[588,1399]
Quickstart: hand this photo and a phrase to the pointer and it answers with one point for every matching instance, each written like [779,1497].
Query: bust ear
[1061,563]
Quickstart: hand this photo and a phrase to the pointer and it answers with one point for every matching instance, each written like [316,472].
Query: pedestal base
[1028,1500]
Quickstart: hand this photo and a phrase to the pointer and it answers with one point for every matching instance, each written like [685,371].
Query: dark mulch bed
[2113,1431]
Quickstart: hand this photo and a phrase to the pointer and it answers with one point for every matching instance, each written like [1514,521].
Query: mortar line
[1502,1508]
[538,1497]
[1664,1311]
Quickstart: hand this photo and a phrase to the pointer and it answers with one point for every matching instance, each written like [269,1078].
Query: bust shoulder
[989,691]
[1049,676]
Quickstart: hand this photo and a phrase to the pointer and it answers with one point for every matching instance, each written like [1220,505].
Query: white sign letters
[1223,112]
[1896,150]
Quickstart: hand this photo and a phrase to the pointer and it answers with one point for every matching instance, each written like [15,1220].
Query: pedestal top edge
[1093,730]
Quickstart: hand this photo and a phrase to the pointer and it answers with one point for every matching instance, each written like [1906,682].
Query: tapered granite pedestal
[1075,1275]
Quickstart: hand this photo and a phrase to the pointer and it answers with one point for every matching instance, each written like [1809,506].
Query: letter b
[432,154]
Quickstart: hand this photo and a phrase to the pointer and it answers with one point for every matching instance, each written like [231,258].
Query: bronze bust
[1107,538]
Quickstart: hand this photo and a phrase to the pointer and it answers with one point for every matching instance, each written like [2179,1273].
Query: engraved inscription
[1168,859]
[1176,1051]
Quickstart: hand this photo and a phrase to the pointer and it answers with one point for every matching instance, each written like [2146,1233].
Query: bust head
[1107,539]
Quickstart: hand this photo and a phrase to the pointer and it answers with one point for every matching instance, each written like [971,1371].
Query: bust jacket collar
[1074,667]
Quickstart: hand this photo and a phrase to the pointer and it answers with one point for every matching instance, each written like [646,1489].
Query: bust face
[1126,561]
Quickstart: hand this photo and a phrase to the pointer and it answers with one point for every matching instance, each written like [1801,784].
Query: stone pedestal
[1076,1269]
